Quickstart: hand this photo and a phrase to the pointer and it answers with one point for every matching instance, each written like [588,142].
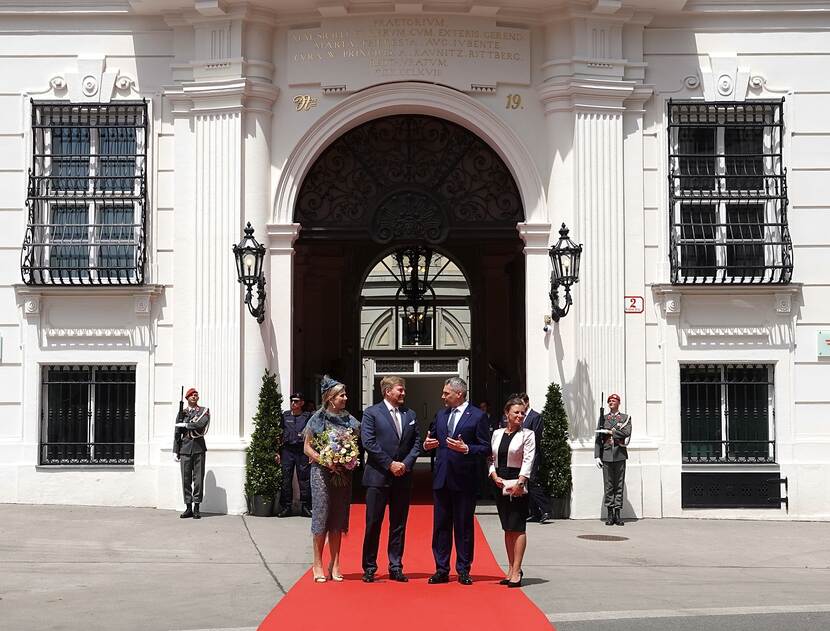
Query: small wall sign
[633,304]
[823,344]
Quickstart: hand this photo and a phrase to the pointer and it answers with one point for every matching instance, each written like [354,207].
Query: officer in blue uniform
[291,457]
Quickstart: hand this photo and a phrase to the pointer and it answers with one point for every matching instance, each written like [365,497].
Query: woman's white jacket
[520,453]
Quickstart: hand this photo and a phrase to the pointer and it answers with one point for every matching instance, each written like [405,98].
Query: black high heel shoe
[506,581]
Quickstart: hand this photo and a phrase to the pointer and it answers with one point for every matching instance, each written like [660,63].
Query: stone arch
[411,98]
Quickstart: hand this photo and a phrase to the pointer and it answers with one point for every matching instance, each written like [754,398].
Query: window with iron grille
[728,193]
[87,194]
[87,415]
[726,413]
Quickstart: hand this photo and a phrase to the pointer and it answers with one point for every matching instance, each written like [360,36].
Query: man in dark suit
[540,505]
[462,437]
[389,433]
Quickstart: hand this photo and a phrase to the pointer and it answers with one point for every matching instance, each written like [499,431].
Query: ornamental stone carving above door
[408,178]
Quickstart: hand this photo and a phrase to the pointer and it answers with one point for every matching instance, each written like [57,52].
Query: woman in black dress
[511,462]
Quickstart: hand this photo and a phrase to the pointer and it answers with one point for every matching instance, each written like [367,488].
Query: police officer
[291,456]
[190,450]
[610,453]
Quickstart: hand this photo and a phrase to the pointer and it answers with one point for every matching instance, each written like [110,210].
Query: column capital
[236,95]
[586,94]
[536,237]
[281,237]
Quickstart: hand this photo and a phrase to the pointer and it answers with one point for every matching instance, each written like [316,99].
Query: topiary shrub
[263,475]
[555,466]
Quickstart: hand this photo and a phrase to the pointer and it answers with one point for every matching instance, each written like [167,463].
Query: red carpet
[416,605]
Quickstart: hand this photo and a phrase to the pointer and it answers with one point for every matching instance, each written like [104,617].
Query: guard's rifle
[601,420]
[179,431]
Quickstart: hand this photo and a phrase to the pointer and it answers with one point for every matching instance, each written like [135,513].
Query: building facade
[683,142]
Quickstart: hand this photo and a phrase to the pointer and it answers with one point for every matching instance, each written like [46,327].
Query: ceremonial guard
[610,452]
[190,449]
[290,457]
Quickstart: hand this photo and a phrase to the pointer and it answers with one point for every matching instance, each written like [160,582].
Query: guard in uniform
[610,452]
[291,456]
[190,450]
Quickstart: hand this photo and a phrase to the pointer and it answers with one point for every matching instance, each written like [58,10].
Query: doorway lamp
[249,254]
[564,258]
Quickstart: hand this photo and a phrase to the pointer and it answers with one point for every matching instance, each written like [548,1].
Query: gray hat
[328,383]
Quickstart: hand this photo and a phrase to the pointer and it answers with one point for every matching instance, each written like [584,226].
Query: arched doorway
[407,180]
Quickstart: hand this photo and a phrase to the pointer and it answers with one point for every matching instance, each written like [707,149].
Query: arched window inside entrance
[414,322]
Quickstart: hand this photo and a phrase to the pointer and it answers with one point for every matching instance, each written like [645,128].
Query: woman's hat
[328,383]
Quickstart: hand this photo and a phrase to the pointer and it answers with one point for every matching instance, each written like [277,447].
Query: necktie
[451,422]
[397,419]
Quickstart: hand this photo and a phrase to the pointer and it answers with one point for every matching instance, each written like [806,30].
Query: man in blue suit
[389,433]
[462,437]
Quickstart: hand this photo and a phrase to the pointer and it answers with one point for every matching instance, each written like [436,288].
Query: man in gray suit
[610,453]
[190,449]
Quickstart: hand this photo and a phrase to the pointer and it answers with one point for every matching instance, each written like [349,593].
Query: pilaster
[592,84]
[222,106]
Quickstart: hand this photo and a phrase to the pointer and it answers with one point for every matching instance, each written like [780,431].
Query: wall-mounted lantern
[564,258]
[249,255]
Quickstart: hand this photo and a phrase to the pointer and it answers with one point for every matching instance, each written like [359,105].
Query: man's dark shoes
[368,577]
[610,520]
[285,512]
[438,577]
[398,575]
[196,514]
[465,579]
[305,511]
[618,518]
[545,518]
[532,518]
[187,513]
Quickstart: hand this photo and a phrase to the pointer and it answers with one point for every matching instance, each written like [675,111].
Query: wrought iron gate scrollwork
[408,177]
[409,215]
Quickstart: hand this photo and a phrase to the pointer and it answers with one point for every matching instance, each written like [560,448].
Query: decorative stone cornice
[536,237]
[222,96]
[99,291]
[281,237]
[586,94]
[671,296]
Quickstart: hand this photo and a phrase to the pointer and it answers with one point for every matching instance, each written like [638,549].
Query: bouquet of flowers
[338,452]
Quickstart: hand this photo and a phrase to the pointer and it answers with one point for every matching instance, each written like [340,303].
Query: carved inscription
[452,50]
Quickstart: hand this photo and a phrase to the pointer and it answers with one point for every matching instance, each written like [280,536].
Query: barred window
[87,194]
[88,415]
[726,413]
[728,193]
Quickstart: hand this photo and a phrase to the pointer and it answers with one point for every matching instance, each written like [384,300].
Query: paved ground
[91,568]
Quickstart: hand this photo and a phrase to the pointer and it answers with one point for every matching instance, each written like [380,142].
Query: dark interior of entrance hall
[394,182]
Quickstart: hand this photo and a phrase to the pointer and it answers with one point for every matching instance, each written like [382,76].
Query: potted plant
[263,475]
[555,466]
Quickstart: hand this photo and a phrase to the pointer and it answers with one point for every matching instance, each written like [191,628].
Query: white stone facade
[578,114]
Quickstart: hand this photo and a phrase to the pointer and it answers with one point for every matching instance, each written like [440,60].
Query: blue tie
[451,422]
